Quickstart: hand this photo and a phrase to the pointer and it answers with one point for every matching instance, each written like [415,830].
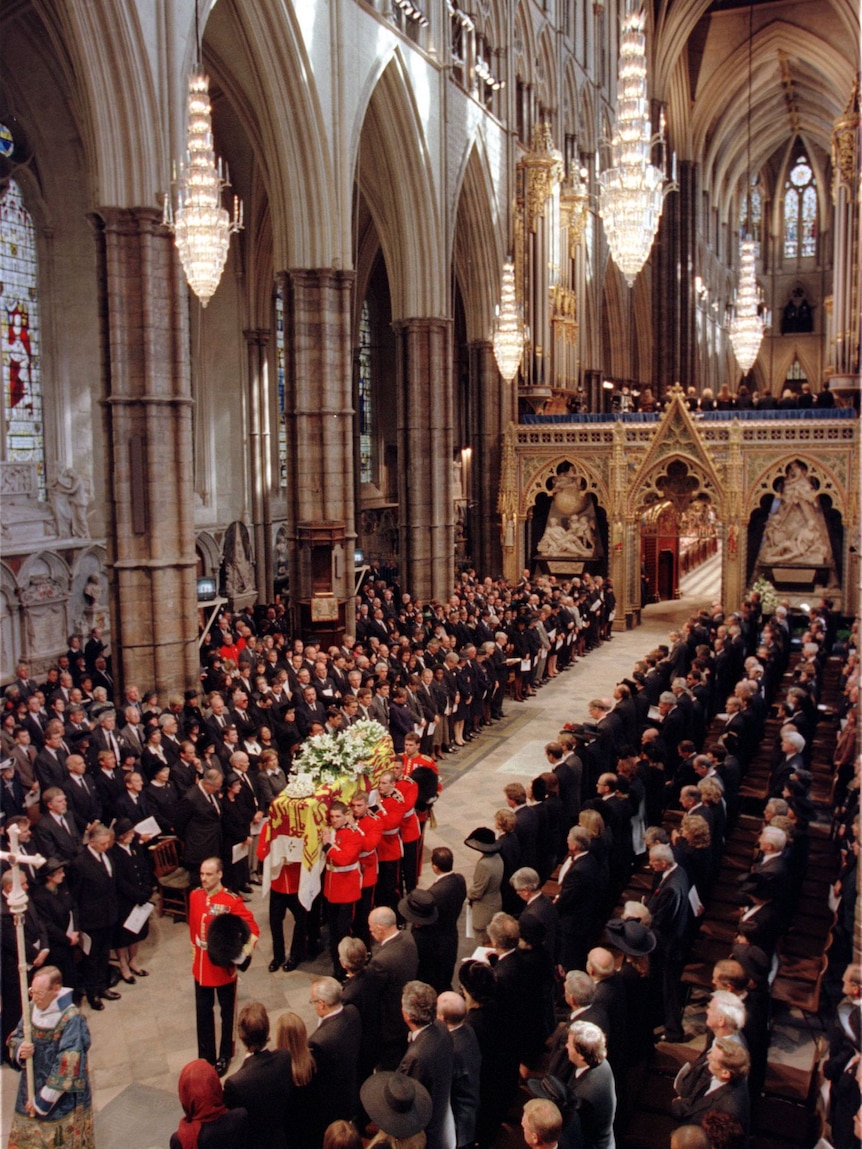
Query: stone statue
[70,498]
[796,530]
[571,528]
[239,572]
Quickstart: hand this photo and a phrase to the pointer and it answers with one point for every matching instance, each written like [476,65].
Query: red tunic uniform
[371,829]
[202,909]
[390,816]
[342,879]
[411,764]
[410,830]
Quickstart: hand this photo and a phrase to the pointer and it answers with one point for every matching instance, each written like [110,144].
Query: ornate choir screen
[772,497]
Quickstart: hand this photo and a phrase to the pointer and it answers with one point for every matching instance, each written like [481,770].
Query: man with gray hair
[580,992]
[671,913]
[429,1060]
[394,963]
[538,908]
[335,1047]
[466,1066]
[792,748]
[580,881]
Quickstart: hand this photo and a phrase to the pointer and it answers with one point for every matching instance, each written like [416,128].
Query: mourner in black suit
[671,914]
[576,903]
[429,1059]
[449,891]
[263,1085]
[394,963]
[56,832]
[93,883]
[81,794]
[335,1046]
[538,907]
[727,1062]
[198,823]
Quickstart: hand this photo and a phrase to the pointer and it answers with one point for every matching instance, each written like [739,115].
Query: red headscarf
[202,1100]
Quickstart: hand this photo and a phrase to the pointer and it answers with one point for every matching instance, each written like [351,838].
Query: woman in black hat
[631,942]
[420,910]
[479,986]
[235,831]
[400,1107]
[134,888]
[484,895]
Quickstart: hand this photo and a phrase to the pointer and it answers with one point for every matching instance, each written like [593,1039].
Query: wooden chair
[172,879]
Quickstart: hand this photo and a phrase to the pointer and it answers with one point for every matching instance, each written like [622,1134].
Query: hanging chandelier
[202,227]
[747,325]
[509,327]
[632,189]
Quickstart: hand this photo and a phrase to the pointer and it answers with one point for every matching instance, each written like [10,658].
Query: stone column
[260,458]
[845,268]
[319,401]
[673,263]
[489,416]
[425,445]
[148,434]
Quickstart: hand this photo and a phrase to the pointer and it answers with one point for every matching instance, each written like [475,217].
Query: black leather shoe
[221,1067]
[290,964]
[111,995]
[95,1002]
[128,980]
[274,965]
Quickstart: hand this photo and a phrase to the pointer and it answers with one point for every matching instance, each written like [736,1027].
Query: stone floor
[145,1039]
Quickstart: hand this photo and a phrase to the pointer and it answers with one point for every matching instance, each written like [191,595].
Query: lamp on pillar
[747,325]
[632,189]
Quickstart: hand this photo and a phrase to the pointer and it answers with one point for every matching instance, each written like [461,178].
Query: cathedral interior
[338,393]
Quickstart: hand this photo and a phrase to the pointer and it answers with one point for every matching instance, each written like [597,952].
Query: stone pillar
[492,411]
[674,269]
[148,435]
[319,401]
[260,458]
[425,445]
[845,267]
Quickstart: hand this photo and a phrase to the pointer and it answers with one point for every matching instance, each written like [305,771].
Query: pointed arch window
[751,224]
[366,418]
[23,432]
[800,211]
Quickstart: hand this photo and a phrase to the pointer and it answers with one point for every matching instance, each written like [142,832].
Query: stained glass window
[752,224]
[279,372]
[23,428]
[366,422]
[800,211]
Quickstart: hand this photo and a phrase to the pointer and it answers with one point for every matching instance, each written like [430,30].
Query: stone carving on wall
[571,530]
[70,497]
[281,551]
[796,529]
[239,576]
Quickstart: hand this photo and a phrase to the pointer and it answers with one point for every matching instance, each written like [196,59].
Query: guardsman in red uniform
[284,896]
[390,813]
[205,904]
[342,878]
[371,829]
[411,833]
[412,761]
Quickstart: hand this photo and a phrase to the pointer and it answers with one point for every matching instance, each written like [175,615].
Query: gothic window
[800,211]
[279,373]
[23,438]
[366,423]
[751,222]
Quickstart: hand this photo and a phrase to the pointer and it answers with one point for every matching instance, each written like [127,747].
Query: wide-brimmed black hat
[631,937]
[479,981]
[419,907]
[551,1089]
[52,866]
[122,826]
[227,934]
[484,840]
[400,1106]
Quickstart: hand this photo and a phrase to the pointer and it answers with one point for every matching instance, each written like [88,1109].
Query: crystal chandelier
[201,226]
[508,327]
[746,327]
[632,189]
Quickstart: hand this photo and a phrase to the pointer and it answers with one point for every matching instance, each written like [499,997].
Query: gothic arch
[258,57]
[11,646]
[476,239]
[538,483]
[665,480]
[396,180]
[546,73]
[829,483]
[210,554]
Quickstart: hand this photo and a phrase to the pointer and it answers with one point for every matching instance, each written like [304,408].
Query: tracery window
[279,372]
[23,431]
[366,421]
[752,222]
[800,211]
